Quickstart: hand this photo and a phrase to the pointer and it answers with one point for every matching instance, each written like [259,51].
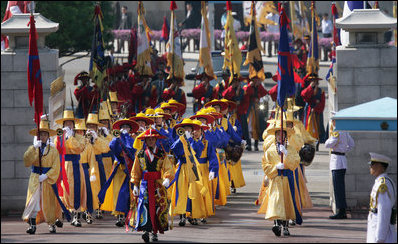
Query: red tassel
[229,6]
[334,9]
[279,7]
[376,4]
[173,5]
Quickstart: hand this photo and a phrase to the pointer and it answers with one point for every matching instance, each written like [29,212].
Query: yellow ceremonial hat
[93,119]
[277,127]
[104,112]
[113,97]
[80,125]
[150,112]
[212,111]
[180,106]
[68,115]
[203,126]
[143,117]
[43,126]
[291,105]
[168,106]
[187,122]
[160,113]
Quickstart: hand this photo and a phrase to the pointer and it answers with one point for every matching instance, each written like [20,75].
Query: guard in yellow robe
[100,146]
[42,201]
[88,164]
[187,179]
[118,186]
[106,134]
[73,186]
[281,204]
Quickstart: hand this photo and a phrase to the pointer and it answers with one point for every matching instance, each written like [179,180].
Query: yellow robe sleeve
[92,162]
[269,164]
[101,146]
[296,142]
[136,171]
[167,169]
[53,173]
[75,144]
[31,157]
[307,138]
[292,160]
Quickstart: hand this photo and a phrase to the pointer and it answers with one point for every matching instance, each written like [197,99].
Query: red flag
[173,5]
[35,89]
[63,176]
[229,6]
[165,30]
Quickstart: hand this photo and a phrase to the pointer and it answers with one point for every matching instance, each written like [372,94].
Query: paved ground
[238,221]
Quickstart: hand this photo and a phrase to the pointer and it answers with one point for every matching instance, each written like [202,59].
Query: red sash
[151,178]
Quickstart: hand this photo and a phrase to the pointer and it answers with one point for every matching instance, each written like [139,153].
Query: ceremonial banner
[98,67]
[35,87]
[253,57]
[286,86]
[313,55]
[205,44]
[173,47]
[143,49]
[233,55]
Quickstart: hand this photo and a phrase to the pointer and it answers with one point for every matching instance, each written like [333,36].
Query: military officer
[382,216]
[339,142]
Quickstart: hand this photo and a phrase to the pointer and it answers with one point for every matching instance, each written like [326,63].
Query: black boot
[154,237]
[256,145]
[78,223]
[59,223]
[286,228]
[182,220]
[249,145]
[276,228]
[233,189]
[32,226]
[89,218]
[145,237]
[341,214]
[52,229]
[192,221]
[98,214]
[119,222]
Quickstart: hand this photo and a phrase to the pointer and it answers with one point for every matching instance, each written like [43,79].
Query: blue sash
[101,168]
[88,188]
[76,177]
[289,174]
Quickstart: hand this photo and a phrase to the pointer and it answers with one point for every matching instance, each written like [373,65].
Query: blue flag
[286,85]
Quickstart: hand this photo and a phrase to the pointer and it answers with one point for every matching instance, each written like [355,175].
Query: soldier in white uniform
[381,218]
[340,142]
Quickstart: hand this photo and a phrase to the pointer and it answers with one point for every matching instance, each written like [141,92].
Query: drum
[307,154]
[233,153]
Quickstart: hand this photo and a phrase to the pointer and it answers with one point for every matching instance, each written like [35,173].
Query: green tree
[76,24]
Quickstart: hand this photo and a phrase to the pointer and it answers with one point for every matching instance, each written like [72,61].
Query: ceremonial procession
[199,121]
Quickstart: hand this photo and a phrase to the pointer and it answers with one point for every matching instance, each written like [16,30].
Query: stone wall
[17,121]
[364,75]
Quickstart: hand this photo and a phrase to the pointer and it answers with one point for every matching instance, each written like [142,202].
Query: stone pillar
[366,70]
[17,114]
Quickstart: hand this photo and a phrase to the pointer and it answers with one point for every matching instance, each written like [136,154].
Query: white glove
[220,129]
[188,134]
[280,166]
[153,126]
[69,132]
[211,175]
[243,143]
[42,177]
[93,178]
[282,148]
[124,131]
[105,130]
[136,191]
[235,128]
[36,143]
[94,134]
[166,182]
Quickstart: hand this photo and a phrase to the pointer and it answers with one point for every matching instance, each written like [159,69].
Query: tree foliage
[76,24]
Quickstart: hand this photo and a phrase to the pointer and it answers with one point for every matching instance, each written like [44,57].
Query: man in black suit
[124,24]
[192,21]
